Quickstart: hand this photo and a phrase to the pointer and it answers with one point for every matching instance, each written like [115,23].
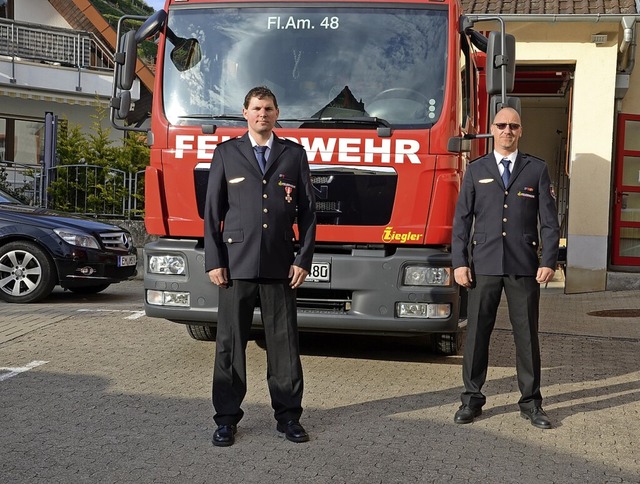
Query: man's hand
[462,275]
[220,276]
[297,275]
[545,274]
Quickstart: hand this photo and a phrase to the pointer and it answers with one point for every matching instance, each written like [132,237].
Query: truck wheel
[27,273]
[202,333]
[447,344]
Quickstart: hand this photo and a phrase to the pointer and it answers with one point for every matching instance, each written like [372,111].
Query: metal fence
[82,189]
[53,45]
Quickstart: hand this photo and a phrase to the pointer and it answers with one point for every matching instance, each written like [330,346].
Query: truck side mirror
[186,54]
[122,104]
[126,61]
[496,105]
[459,144]
[151,26]
[496,58]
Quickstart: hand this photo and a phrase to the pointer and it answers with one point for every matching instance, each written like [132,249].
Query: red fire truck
[384,96]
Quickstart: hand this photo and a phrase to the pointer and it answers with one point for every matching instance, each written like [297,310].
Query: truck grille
[345,195]
[317,301]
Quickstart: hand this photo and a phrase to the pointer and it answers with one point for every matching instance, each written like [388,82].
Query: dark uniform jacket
[249,216]
[509,224]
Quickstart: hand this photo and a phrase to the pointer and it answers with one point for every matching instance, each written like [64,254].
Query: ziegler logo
[390,235]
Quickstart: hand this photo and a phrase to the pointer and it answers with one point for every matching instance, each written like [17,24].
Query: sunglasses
[501,126]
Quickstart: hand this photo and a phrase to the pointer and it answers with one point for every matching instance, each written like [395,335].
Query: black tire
[27,273]
[89,289]
[201,333]
[447,344]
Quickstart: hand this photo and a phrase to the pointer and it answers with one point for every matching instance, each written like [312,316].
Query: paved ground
[91,390]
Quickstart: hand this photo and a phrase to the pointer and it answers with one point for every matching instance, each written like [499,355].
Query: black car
[40,249]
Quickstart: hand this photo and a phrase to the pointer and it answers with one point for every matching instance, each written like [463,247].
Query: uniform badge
[288,189]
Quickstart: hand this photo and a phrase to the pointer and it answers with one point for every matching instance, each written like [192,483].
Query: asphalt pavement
[91,390]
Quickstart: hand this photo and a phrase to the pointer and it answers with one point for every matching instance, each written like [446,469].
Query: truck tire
[27,273]
[447,344]
[202,333]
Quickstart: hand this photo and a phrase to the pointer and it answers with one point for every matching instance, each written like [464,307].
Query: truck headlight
[423,310]
[173,264]
[426,276]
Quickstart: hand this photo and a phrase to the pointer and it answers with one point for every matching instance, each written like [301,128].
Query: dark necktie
[506,174]
[260,151]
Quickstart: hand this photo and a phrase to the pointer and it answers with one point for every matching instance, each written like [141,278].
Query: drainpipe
[628,45]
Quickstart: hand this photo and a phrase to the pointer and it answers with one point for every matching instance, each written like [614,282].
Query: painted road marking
[134,315]
[16,371]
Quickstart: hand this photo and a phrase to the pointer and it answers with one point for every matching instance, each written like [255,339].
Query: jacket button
[265,210]
[229,240]
[265,195]
[504,219]
[504,234]
[534,243]
[265,226]
[506,192]
[474,242]
[506,206]
[264,182]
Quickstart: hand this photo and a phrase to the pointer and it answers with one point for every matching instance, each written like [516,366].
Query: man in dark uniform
[259,185]
[506,213]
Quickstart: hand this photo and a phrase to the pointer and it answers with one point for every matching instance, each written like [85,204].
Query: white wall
[38,12]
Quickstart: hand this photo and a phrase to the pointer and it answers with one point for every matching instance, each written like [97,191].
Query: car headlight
[426,276]
[77,238]
[174,264]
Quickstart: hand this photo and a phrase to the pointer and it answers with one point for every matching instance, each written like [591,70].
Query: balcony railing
[56,46]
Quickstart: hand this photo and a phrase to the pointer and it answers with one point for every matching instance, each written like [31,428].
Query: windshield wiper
[232,117]
[383,126]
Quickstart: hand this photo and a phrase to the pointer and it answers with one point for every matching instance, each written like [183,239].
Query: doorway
[545,96]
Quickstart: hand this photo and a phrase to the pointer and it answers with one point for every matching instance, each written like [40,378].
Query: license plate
[127,260]
[320,272]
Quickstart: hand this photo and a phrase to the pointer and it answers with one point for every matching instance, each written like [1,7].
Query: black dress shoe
[293,431]
[224,436]
[537,417]
[466,414]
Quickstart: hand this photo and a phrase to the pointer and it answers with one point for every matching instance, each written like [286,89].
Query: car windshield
[6,198]
[321,61]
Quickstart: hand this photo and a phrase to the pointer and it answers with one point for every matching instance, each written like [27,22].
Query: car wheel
[89,289]
[27,273]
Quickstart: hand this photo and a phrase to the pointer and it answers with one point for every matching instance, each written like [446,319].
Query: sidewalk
[606,314]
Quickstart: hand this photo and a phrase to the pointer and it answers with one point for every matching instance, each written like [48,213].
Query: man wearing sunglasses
[505,238]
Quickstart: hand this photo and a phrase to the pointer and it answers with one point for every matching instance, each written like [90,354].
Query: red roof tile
[551,7]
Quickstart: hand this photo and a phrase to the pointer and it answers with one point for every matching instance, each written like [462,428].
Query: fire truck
[386,98]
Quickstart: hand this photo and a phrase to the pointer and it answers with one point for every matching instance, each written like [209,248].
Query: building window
[21,141]
[6,9]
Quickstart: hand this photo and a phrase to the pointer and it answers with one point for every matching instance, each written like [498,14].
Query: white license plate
[320,272]
[127,260]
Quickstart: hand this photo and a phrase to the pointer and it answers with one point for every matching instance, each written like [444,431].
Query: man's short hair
[260,92]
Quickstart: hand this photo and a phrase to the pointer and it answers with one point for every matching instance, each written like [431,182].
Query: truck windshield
[322,61]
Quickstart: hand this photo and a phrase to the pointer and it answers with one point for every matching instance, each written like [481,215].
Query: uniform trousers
[284,369]
[523,297]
